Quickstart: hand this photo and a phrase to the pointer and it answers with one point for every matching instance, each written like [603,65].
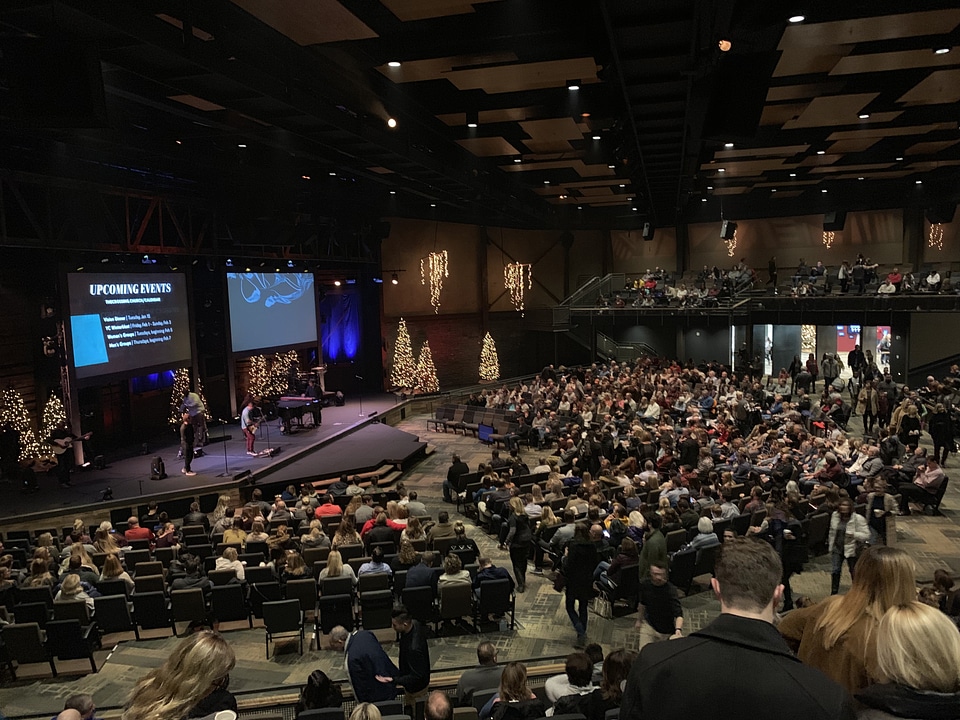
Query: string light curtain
[518,278]
[434,268]
[828,237]
[732,243]
[935,236]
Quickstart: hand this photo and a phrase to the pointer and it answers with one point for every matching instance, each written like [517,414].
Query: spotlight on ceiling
[394,280]
[473,118]
[337,283]
[147,260]
[242,145]
[573,84]
[796,18]
[941,50]
[289,263]
[378,280]
[518,160]
[393,64]
[391,123]
[229,262]
[728,145]
[596,137]
[724,45]
[863,116]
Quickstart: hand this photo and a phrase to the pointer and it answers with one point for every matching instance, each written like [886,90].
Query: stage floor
[129,477]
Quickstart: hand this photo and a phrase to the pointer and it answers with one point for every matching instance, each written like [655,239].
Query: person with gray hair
[82,703]
[438,707]
[486,675]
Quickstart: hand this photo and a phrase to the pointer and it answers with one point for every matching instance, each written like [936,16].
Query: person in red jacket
[135,532]
[327,508]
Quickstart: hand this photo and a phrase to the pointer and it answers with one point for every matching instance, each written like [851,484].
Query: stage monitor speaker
[648,231]
[941,214]
[834,221]
[53,83]
[727,229]
[158,470]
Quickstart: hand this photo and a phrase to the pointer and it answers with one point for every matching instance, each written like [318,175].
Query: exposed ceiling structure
[526,113]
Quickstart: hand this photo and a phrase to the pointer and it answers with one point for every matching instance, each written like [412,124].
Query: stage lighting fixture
[336,283]
[573,84]
[229,262]
[941,50]
[395,280]
[797,18]
[727,229]
[147,260]
[351,281]
[647,232]
[724,45]
[393,64]
[391,123]
[473,118]
[378,280]
[289,263]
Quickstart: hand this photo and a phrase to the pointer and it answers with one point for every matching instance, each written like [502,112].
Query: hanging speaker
[727,229]
[647,231]
[941,214]
[834,221]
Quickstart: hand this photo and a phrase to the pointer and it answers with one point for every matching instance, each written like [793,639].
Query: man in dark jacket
[366,663]
[423,573]
[752,673]
[456,469]
[414,671]
[195,517]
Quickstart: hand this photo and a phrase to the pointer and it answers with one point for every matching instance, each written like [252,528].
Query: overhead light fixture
[546,182]
[773,189]
[391,123]
[332,173]
[585,115]
[721,169]
[242,145]
[229,262]
[596,137]
[473,118]
[634,209]
[247,270]
[941,50]
[517,279]
[433,269]
[305,177]
[573,84]
[919,182]
[394,280]
[863,116]
[378,280]
[724,45]
[179,142]
[393,64]
[703,199]
[821,152]
[860,178]
[824,190]
[728,145]
[899,158]
[622,185]
[289,263]
[709,187]
[579,207]
[793,174]
[516,160]
[796,18]
[336,283]
[393,192]
[612,167]
[433,204]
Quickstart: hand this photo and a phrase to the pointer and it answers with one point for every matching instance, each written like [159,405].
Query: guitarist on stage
[249,422]
[194,405]
[62,439]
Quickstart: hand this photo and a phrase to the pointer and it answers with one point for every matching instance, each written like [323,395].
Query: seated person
[887,287]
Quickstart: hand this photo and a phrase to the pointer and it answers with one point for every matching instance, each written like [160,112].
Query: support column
[483,293]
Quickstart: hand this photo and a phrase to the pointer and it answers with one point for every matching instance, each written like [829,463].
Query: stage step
[380,473]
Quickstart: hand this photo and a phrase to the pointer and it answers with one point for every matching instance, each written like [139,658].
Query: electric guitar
[61,445]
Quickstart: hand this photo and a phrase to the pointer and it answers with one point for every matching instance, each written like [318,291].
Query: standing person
[187,439]
[414,665]
[839,635]
[660,616]
[62,440]
[772,271]
[848,532]
[579,560]
[868,405]
[830,369]
[519,538]
[366,663]
[457,468]
[940,427]
[813,369]
[193,679]
[193,405]
[249,424]
[752,673]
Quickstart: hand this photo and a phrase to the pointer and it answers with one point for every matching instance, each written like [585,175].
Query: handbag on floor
[603,607]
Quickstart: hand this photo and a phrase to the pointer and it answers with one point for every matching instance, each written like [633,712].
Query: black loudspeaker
[727,229]
[157,469]
[834,221]
[941,214]
[647,231]
[53,83]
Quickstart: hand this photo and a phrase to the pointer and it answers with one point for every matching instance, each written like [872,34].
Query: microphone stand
[266,429]
[223,433]
[360,392]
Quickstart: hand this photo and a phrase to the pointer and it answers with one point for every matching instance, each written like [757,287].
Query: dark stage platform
[345,442]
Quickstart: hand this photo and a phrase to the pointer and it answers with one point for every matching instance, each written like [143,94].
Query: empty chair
[188,531]
[348,552]
[456,601]
[373,581]
[23,642]
[34,612]
[335,610]
[495,597]
[228,603]
[257,546]
[282,619]
[202,550]
[376,609]
[41,594]
[164,556]
[132,557]
[113,615]
[152,567]
[69,640]
[112,587]
[261,593]
[142,544]
[251,559]
[399,581]
[222,577]
[419,601]
[312,555]
[305,591]
[188,606]
[149,583]
[72,610]
[258,575]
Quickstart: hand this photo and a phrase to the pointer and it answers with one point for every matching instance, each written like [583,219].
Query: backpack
[888,450]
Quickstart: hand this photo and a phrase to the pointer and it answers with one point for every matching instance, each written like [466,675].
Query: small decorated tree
[489,361]
[404,371]
[14,415]
[426,371]
[259,376]
[181,385]
[53,414]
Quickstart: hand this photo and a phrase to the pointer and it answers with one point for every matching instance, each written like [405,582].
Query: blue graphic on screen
[89,345]
[271,310]
[341,333]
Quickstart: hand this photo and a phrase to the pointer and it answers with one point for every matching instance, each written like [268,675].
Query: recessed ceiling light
[305,177]
[546,182]
[793,174]
[821,152]
[941,51]
[709,187]
[573,86]
[394,63]
[391,122]
[579,207]
[919,182]
[179,142]
[796,18]
[596,137]
[471,124]
[241,145]
[773,189]
[860,178]
[612,167]
[433,204]
[721,169]
[824,190]
[899,158]
[863,116]
[622,185]
[634,209]
[584,115]
[393,192]
[703,199]
[728,145]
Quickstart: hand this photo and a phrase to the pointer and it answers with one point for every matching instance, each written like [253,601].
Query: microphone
[359,377]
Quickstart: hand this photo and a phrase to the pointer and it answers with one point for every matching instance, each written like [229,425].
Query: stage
[345,441]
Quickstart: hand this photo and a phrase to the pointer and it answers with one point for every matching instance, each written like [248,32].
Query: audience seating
[113,615]
[70,640]
[23,643]
[282,619]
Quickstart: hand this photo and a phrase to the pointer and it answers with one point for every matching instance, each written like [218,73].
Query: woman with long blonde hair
[197,667]
[336,569]
[839,635]
[918,664]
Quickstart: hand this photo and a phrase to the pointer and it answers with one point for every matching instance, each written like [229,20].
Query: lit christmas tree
[14,415]
[279,374]
[53,414]
[258,376]
[404,372]
[203,399]
[426,372]
[489,362]
[181,384]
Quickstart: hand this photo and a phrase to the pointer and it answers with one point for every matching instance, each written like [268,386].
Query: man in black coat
[366,664]
[414,665]
[458,468]
[745,668]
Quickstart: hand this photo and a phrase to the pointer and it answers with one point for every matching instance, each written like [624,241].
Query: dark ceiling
[306,87]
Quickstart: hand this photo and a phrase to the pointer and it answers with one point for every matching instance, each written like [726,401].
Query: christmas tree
[203,399]
[404,372]
[181,385]
[489,362]
[53,415]
[258,376]
[426,372]
[13,414]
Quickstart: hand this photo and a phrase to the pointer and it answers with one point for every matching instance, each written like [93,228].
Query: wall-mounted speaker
[727,229]
[941,214]
[834,221]
[647,231]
